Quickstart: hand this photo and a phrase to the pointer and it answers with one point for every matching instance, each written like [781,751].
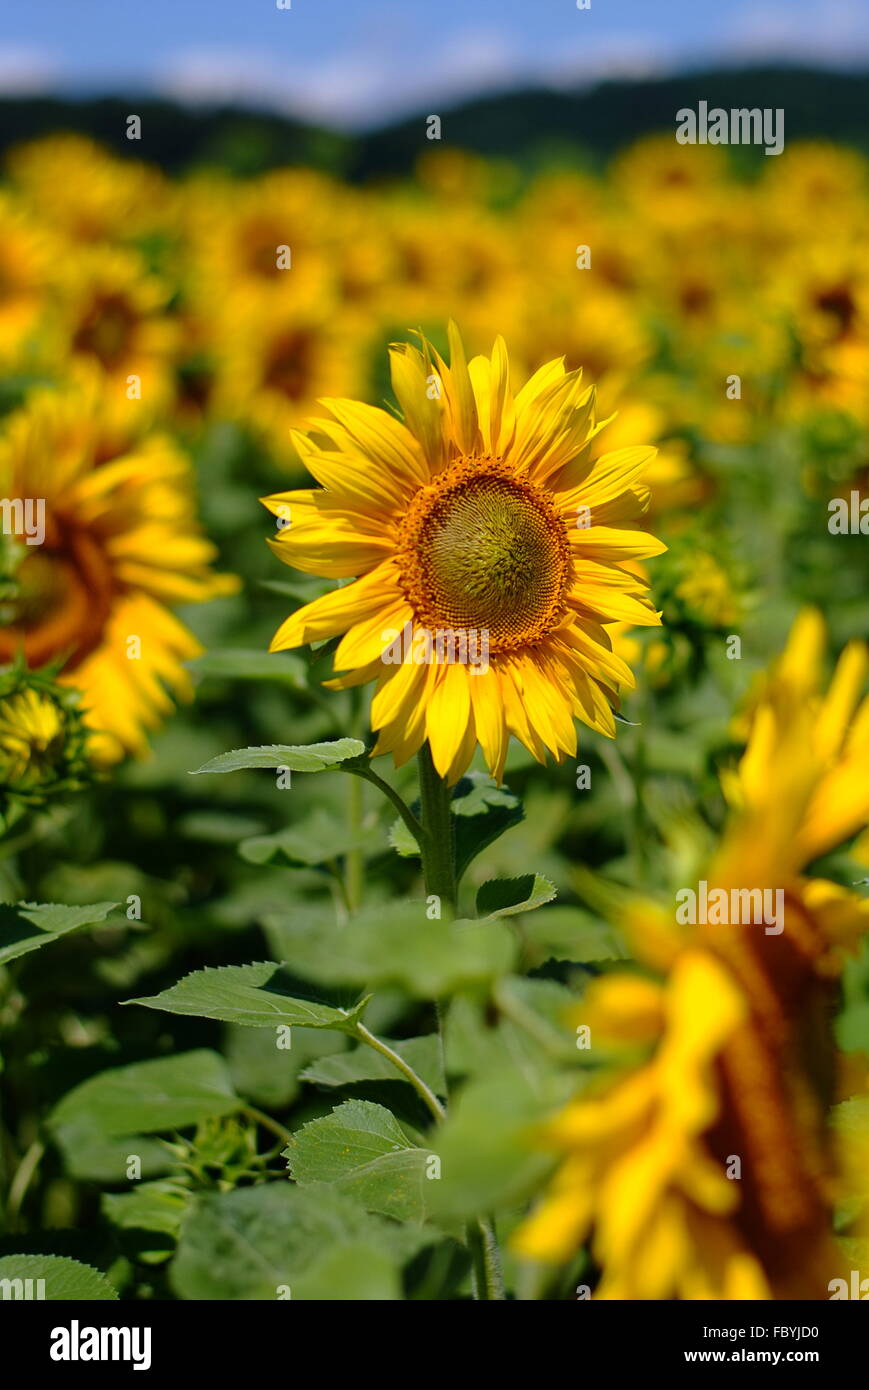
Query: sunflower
[111,314]
[481,516]
[119,544]
[26,252]
[743,1060]
[43,742]
[117,199]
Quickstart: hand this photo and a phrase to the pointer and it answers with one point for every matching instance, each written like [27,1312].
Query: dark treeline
[530,127]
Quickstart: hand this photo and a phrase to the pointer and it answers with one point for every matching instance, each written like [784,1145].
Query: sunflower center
[481,549]
[58,603]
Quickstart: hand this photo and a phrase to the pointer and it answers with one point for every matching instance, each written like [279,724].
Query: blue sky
[362,62]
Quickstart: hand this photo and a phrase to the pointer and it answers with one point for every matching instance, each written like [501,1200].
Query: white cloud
[836,31]
[25,69]
[362,86]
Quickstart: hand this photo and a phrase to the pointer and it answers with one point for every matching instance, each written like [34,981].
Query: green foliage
[259,996]
[362,1151]
[278,1241]
[65,1280]
[24,927]
[313,758]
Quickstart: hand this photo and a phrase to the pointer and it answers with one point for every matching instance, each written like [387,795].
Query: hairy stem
[424,1091]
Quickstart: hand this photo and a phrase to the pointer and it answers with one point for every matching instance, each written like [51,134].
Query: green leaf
[401,840]
[351,1272]
[363,1152]
[504,897]
[396,944]
[477,792]
[364,1064]
[270,1075]
[570,933]
[540,1009]
[482,811]
[314,757]
[150,1206]
[65,1279]
[92,1156]
[251,666]
[24,927]
[167,1093]
[256,1242]
[489,1157]
[262,995]
[317,840]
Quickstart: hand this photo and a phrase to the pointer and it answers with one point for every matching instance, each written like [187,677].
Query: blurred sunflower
[113,198]
[25,264]
[742,1064]
[480,513]
[120,544]
[274,358]
[112,314]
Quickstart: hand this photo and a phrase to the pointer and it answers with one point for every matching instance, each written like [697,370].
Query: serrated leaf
[402,841]
[504,897]
[476,793]
[65,1279]
[313,757]
[482,811]
[363,1152]
[24,927]
[146,1097]
[364,1064]
[255,1242]
[261,995]
[397,945]
[243,665]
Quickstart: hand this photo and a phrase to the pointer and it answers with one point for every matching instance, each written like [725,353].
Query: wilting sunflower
[104,539]
[482,514]
[709,1171]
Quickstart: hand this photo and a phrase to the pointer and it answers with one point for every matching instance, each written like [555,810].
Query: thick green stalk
[438,847]
[438,851]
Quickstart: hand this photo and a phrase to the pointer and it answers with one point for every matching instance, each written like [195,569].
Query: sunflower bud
[43,742]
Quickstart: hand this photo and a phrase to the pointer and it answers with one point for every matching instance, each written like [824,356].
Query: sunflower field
[509,940]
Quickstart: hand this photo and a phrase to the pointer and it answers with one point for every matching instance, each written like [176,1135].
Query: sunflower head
[43,741]
[483,518]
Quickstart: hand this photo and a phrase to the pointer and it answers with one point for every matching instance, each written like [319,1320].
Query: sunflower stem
[438,844]
[392,795]
[425,1092]
[438,851]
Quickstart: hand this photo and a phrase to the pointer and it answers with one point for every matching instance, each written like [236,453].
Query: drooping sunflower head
[487,539]
[43,741]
